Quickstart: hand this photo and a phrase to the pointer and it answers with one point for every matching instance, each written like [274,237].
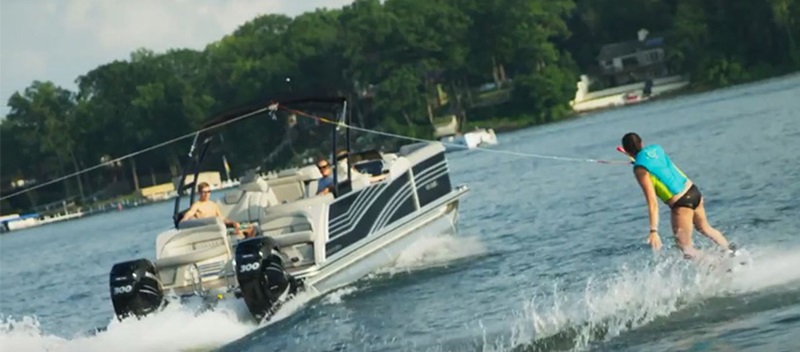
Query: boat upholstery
[197,240]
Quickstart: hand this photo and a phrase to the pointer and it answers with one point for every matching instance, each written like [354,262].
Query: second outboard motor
[261,276]
[135,288]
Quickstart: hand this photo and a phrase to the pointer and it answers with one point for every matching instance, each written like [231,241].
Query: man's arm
[189,213]
[228,222]
[324,185]
[218,213]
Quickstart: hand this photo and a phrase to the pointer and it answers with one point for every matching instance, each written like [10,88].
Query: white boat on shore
[13,222]
[480,137]
[628,94]
[447,130]
[628,72]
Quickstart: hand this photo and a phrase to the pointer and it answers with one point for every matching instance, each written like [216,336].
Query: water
[550,255]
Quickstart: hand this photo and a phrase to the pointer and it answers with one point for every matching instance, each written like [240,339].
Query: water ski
[738,259]
[730,261]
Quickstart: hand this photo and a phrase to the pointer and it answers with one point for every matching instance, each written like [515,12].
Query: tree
[43,116]
[393,59]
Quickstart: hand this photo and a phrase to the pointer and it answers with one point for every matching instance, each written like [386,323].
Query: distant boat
[17,222]
[447,132]
[623,95]
[628,72]
[480,137]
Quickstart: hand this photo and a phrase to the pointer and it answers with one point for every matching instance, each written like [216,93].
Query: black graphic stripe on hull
[370,195]
[362,227]
[394,203]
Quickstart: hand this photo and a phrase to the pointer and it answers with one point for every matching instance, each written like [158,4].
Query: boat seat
[196,240]
[193,223]
[283,224]
[410,148]
[233,197]
[309,172]
[297,248]
[238,211]
[256,184]
[418,153]
[247,203]
[293,238]
[288,172]
[310,176]
[288,189]
[399,168]
[191,257]
[312,188]
[358,181]
[262,187]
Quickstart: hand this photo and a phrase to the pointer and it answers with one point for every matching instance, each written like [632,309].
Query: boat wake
[665,295]
[436,251]
[425,253]
[179,327]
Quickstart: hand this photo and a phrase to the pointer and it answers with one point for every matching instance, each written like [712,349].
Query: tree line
[400,63]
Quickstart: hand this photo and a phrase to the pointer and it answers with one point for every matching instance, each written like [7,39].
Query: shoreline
[502,124]
[505,124]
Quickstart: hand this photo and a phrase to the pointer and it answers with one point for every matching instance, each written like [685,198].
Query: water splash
[177,328]
[771,267]
[24,334]
[337,296]
[635,297]
[299,301]
[423,254]
[435,251]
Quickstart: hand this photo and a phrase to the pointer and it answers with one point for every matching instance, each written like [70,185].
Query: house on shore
[627,72]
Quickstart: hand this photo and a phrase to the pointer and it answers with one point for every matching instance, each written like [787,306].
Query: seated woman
[205,208]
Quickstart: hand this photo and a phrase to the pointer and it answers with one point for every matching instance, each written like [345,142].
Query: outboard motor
[135,288]
[261,276]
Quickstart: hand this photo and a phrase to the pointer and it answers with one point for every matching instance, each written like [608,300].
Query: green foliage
[400,63]
[546,93]
[719,43]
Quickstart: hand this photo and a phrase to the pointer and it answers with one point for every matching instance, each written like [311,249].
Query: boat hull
[470,140]
[381,250]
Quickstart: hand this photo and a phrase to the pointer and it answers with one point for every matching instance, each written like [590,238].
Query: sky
[59,40]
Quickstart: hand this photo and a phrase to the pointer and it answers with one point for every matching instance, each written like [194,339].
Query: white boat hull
[470,140]
[385,248]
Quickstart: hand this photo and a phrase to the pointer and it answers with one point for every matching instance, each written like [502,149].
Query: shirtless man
[205,208]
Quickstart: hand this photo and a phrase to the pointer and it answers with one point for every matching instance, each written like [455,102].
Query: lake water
[550,255]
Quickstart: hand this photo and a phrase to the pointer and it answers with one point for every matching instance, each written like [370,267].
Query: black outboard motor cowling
[261,276]
[135,288]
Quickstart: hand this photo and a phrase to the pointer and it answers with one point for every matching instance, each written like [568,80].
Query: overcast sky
[58,40]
